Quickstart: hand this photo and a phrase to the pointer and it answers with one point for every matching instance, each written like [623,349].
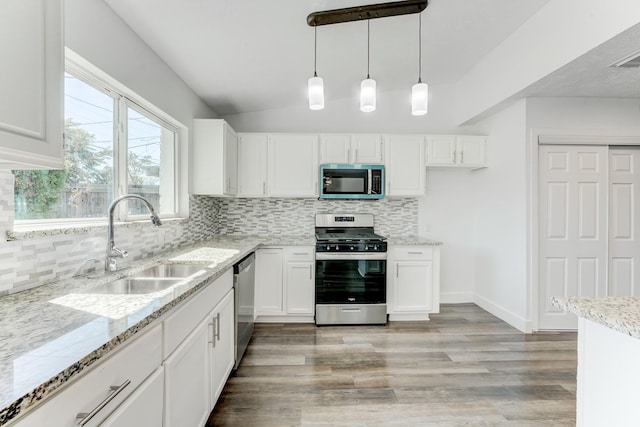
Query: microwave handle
[369,180]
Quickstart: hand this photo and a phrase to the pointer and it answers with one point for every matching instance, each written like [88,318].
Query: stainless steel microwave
[351,181]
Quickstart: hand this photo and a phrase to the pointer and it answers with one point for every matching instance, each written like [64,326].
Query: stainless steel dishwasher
[244,288]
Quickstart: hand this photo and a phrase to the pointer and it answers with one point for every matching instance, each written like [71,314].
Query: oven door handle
[331,256]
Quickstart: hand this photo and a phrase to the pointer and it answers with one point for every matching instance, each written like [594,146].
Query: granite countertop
[52,333]
[412,241]
[621,314]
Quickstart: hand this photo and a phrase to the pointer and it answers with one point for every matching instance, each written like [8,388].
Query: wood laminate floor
[465,367]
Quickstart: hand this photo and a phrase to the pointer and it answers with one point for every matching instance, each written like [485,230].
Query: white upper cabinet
[456,151]
[404,166]
[215,158]
[357,148]
[252,164]
[293,165]
[31,84]
[367,148]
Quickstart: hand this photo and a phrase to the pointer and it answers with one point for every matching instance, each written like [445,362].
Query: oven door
[351,278]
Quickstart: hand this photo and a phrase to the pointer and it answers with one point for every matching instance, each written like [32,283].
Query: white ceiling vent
[629,61]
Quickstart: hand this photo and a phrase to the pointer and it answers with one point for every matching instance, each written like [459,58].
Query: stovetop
[364,236]
[347,233]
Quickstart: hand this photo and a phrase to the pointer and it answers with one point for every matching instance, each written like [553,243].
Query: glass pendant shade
[368,95]
[316,93]
[419,99]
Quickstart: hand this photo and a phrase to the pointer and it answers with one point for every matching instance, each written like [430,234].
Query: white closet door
[573,228]
[624,221]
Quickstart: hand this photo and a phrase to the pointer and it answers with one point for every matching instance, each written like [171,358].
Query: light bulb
[316,93]
[419,99]
[368,95]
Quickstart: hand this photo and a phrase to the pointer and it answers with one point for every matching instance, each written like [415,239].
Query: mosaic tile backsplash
[35,260]
[392,217]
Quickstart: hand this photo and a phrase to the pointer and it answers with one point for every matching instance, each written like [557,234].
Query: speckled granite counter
[621,314]
[52,333]
[412,241]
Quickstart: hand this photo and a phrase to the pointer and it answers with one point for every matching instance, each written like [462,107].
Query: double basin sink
[152,279]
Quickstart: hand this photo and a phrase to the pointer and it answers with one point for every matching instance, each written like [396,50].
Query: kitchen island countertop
[621,314]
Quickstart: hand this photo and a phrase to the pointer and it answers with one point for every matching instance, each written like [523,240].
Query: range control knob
[351,247]
[366,247]
[328,247]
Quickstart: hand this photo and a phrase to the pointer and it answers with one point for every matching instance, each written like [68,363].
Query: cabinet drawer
[299,253]
[187,316]
[126,369]
[412,253]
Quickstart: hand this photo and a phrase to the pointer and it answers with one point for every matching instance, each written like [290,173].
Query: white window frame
[123,98]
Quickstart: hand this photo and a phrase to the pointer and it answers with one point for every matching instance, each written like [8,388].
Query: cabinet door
[222,357]
[300,287]
[230,161]
[405,168]
[335,149]
[367,148]
[413,286]
[471,150]
[441,150]
[293,165]
[252,165]
[215,158]
[143,408]
[187,380]
[269,282]
[31,84]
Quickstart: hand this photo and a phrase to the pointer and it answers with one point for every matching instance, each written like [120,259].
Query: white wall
[500,219]
[95,32]
[393,114]
[446,214]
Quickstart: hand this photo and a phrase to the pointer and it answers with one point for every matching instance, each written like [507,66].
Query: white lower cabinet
[413,287]
[110,385]
[187,387]
[299,280]
[269,279]
[221,345]
[142,409]
[285,284]
[195,372]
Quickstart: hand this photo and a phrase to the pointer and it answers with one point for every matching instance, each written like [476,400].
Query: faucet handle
[117,252]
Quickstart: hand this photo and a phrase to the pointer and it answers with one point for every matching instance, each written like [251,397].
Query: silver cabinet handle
[264,188]
[213,331]
[216,334]
[301,253]
[356,160]
[310,273]
[348,154]
[84,417]
[454,156]
[397,272]
[461,156]
[415,253]
[353,310]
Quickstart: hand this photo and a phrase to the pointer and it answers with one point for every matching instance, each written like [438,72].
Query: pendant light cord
[315,51]
[368,48]
[419,47]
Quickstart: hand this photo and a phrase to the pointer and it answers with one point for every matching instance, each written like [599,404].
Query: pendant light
[368,85]
[316,84]
[419,91]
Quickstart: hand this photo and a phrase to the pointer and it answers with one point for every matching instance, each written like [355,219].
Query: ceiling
[251,55]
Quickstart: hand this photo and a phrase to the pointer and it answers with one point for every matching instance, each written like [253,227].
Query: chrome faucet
[113,252]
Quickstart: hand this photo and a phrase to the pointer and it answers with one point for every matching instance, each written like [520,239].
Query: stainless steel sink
[134,285]
[170,270]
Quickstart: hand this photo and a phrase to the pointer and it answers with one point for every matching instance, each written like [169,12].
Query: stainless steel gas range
[351,271]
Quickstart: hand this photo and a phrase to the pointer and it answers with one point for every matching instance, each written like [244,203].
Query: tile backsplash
[35,259]
[392,217]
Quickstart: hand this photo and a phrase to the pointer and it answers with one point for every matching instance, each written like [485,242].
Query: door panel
[573,230]
[624,208]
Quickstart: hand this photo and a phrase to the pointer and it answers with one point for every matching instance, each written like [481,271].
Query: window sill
[34,231]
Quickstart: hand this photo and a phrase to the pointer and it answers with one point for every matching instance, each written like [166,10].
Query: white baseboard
[456,297]
[502,313]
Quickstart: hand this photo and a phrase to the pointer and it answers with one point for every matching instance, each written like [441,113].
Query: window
[113,146]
